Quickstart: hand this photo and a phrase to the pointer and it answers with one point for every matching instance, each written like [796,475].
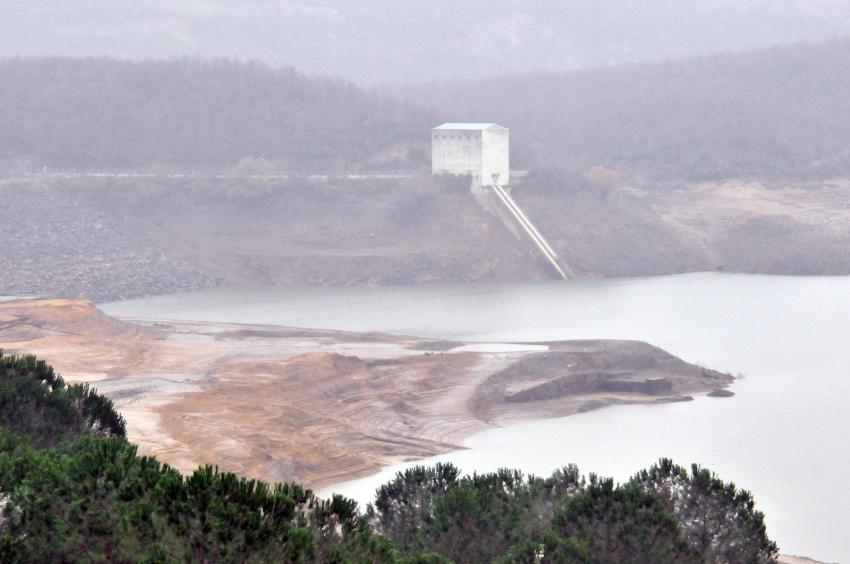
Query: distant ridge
[770,113]
[106,113]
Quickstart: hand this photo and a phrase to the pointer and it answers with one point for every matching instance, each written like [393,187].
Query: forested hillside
[73,489]
[104,113]
[775,113]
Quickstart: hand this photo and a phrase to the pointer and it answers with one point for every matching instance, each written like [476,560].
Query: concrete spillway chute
[526,226]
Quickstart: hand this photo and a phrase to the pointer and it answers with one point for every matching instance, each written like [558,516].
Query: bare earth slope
[737,226]
[111,238]
[322,406]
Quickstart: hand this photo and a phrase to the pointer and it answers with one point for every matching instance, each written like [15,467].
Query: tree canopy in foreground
[73,489]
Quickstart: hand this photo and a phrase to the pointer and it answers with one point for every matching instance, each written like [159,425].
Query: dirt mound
[581,375]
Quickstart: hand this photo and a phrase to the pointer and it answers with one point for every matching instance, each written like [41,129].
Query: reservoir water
[785,435]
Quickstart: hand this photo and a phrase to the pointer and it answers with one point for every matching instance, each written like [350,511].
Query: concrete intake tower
[482,151]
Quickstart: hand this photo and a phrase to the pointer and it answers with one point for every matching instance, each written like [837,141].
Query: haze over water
[785,435]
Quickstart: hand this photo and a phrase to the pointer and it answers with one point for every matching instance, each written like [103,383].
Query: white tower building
[478,149]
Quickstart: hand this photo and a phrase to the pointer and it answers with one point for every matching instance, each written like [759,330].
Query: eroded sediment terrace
[324,406]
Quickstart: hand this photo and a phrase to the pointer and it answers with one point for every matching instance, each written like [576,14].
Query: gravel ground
[51,243]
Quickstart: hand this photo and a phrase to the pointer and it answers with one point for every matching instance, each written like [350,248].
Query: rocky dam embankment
[113,238]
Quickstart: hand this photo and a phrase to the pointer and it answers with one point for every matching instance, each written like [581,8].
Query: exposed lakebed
[785,435]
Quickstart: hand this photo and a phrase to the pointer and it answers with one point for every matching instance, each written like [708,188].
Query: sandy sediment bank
[792,559]
[322,407]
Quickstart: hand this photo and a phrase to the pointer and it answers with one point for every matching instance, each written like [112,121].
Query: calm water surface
[785,435]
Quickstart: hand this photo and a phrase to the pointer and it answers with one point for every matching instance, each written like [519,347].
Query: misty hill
[103,113]
[374,41]
[770,113]
[775,113]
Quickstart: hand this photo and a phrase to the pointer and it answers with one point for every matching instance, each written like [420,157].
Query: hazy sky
[384,40]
